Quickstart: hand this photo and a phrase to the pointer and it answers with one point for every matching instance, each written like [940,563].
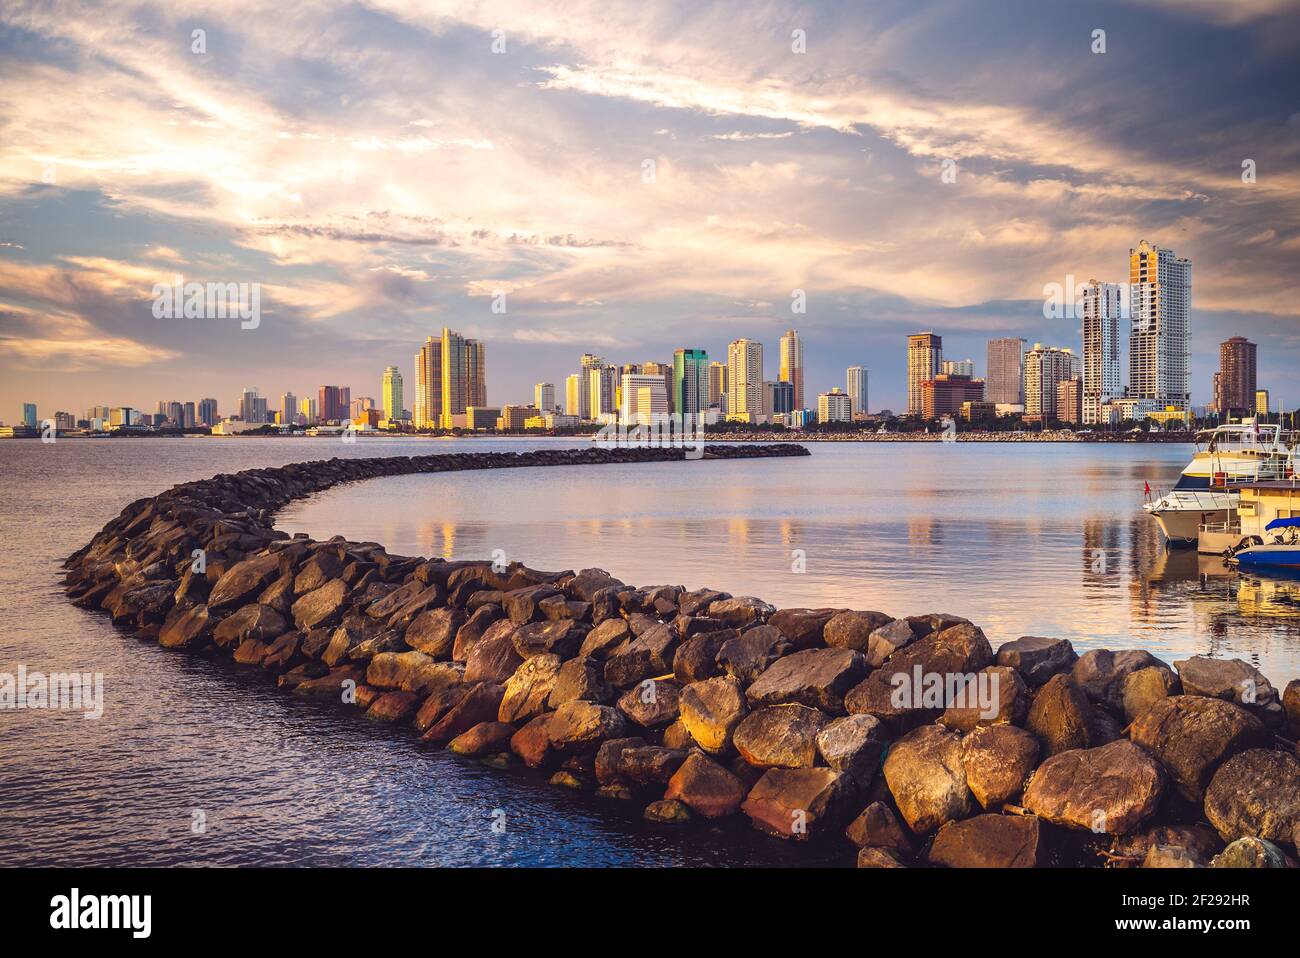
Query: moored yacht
[1226,458]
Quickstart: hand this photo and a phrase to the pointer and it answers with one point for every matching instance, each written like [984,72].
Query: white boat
[1207,492]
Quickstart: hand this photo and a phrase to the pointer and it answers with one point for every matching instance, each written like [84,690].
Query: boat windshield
[1186,482]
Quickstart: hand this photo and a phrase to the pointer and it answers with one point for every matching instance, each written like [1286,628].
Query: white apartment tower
[856,387]
[745,380]
[1046,367]
[1101,348]
[1160,342]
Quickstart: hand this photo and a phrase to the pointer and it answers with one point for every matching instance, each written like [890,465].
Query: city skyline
[664,201]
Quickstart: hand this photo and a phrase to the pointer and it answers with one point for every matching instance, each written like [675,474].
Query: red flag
[1146,488]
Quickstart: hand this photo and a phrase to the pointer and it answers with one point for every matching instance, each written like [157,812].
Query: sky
[633,177]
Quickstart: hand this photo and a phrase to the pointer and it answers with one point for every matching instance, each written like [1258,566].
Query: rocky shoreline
[702,705]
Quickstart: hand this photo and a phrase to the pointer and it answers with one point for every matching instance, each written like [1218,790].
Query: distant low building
[944,394]
[834,406]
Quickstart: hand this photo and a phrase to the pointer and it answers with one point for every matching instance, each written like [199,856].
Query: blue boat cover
[1283,523]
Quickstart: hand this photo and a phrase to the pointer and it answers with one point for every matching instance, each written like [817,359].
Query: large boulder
[780,736]
[532,743]
[1256,794]
[852,629]
[478,703]
[990,841]
[711,710]
[653,703]
[1233,680]
[1100,673]
[1059,716]
[696,658]
[528,689]
[607,636]
[393,706]
[580,678]
[184,628]
[259,622]
[473,629]
[799,803]
[321,607]
[1113,789]
[562,637]
[397,670]
[648,655]
[705,787]
[1251,852]
[818,678]
[853,744]
[1144,688]
[1291,706]
[888,639]
[897,690]
[242,582]
[803,628]
[577,725]
[493,658]
[522,605]
[996,695]
[1037,658]
[878,827]
[925,776]
[1191,735]
[998,760]
[485,738]
[748,655]
[741,611]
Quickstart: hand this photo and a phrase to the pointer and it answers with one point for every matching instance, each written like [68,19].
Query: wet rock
[185,628]
[1250,853]
[653,703]
[1232,680]
[529,688]
[609,755]
[706,787]
[996,695]
[852,629]
[696,657]
[780,736]
[853,744]
[438,704]
[317,571]
[1059,715]
[650,765]
[960,649]
[433,631]
[473,629]
[1196,843]
[799,803]
[741,611]
[580,678]
[878,827]
[532,743]
[818,678]
[1191,735]
[243,581]
[396,670]
[1112,789]
[990,841]
[282,652]
[878,858]
[579,724]
[748,655]
[521,605]
[300,673]
[333,685]
[1144,688]
[803,628]
[394,707]
[925,776]
[1100,673]
[601,641]
[493,658]
[250,652]
[486,738]
[1037,658]
[562,638]
[1291,706]
[711,710]
[321,608]
[998,760]
[477,703]
[1256,794]
[668,812]
[888,639]
[693,603]
[647,656]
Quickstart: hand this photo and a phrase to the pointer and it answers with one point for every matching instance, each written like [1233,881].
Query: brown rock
[853,744]
[1037,658]
[647,656]
[579,724]
[259,622]
[925,776]
[998,759]
[321,607]
[1233,680]
[394,707]
[780,736]
[1113,789]
[799,803]
[958,650]
[1291,706]
[475,626]
[244,580]
[1100,673]
[601,641]
[989,841]
[817,678]
[1144,688]
[1256,794]
[748,655]
[479,703]
[653,703]
[250,652]
[711,710]
[996,695]
[433,631]
[521,605]
[878,827]
[528,689]
[878,858]
[852,629]
[486,738]
[493,658]
[696,658]
[1191,735]
[1058,716]
[562,638]
[184,628]
[888,639]
[580,678]
[334,685]
[741,611]
[668,812]
[804,628]
[317,571]
[532,743]
[706,787]
[1198,842]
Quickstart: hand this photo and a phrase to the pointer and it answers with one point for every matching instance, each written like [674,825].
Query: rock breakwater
[700,705]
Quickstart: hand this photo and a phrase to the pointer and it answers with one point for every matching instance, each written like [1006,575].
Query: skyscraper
[590,361]
[288,408]
[427,413]
[857,389]
[792,364]
[744,380]
[1236,383]
[29,415]
[455,385]
[309,411]
[329,404]
[1046,367]
[573,394]
[208,412]
[959,367]
[718,385]
[1160,294]
[691,384]
[390,393]
[1006,372]
[1101,377]
[602,387]
[660,369]
[544,397]
[924,362]
[475,373]
[644,396]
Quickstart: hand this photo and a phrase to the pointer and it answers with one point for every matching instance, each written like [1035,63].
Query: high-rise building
[455,375]
[330,405]
[1261,402]
[1006,372]
[1101,348]
[834,406]
[1069,401]
[924,362]
[189,416]
[590,361]
[288,408]
[544,397]
[602,393]
[778,398]
[944,395]
[208,414]
[744,380]
[959,367]
[252,407]
[718,385]
[1046,367]
[29,415]
[1235,391]
[792,364]
[573,395]
[390,391]
[309,410]
[660,369]
[691,381]
[475,373]
[643,396]
[856,383]
[1160,299]
[427,413]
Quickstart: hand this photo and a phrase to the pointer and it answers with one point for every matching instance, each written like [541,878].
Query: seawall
[910,739]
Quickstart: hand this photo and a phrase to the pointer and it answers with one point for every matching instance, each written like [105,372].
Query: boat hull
[1182,527]
[1269,557]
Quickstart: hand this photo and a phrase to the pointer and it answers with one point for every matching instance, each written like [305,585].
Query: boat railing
[1231,525]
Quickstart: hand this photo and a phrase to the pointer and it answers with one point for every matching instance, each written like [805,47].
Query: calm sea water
[1023,540]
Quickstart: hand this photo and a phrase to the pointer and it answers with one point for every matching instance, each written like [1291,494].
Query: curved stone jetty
[908,738]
